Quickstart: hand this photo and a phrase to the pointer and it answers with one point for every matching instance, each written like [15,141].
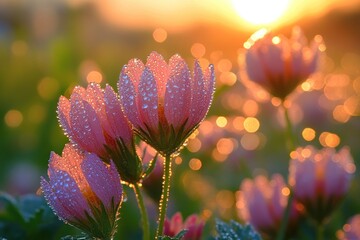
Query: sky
[177,15]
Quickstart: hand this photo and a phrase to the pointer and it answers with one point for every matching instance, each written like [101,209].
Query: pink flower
[93,120]
[82,190]
[279,64]
[164,102]
[351,230]
[263,203]
[320,179]
[193,224]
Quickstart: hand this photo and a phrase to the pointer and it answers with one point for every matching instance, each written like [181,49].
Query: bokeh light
[198,50]
[328,139]
[195,164]
[251,124]
[48,88]
[308,134]
[221,121]
[160,35]
[13,118]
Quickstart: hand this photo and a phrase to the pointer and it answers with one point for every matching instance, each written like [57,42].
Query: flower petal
[148,99]
[62,212]
[69,162]
[63,113]
[118,124]
[68,193]
[103,184]
[178,92]
[86,126]
[95,97]
[254,67]
[202,92]
[256,203]
[128,97]
[159,68]
[134,70]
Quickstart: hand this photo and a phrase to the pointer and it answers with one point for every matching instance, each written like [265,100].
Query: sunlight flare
[260,12]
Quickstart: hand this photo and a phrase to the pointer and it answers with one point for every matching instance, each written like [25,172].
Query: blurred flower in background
[320,179]
[279,64]
[351,230]
[193,224]
[262,203]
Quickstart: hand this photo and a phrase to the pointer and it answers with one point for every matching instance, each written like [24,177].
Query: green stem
[164,196]
[292,141]
[282,231]
[319,232]
[144,214]
[289,129]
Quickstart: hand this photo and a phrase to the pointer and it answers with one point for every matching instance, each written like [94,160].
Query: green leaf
[12,212]
[27,217]
[235,231]
[179,236]
[83,236]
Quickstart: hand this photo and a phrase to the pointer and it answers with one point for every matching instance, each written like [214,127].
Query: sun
[260,12]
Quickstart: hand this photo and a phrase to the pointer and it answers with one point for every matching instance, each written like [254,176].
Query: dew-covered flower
[279,64]
[320,179]
[193,224]
[92,119]
[164,101]
[262,202]
[84,191]
[351,230]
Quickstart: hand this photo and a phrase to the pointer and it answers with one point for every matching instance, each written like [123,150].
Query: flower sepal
[104,224]
[127,162]
[169,141]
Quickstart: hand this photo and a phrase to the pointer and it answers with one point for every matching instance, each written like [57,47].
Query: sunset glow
[260,12]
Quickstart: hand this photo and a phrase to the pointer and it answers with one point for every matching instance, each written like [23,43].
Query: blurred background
[48,47]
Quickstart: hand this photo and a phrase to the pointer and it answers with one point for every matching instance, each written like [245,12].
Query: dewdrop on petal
[163,101]
[83,191]
[93,120]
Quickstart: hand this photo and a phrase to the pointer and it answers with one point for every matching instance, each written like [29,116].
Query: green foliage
[78,237]
[234,231]
[179,236]
[27,217]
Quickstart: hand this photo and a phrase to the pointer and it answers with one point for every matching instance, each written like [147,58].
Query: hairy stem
[292,141]
[319,232]
[143,211]
[164,196]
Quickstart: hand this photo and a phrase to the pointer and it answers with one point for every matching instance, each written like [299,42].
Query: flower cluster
[162,102]
[318,179]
